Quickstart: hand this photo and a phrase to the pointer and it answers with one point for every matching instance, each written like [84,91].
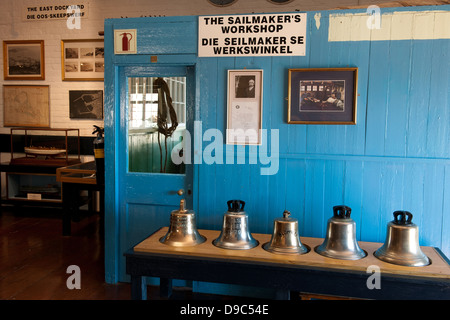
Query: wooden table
[74,179]
[309,272]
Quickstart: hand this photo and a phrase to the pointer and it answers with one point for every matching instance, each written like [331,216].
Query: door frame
[115,98]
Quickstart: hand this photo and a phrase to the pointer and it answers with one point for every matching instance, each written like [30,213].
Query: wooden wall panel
[438,138]
[397,80]
[445,225]
[295,191]
[377,96]
[419,99]
[353,191]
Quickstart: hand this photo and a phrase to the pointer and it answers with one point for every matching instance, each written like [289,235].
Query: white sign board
[44,11]
[125,41]
[252,35]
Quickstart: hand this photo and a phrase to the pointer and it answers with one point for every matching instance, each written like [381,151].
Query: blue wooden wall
[396,157]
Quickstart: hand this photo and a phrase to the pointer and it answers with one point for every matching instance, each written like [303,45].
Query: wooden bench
[310,272]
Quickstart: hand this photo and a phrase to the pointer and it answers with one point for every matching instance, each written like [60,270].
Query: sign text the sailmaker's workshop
[252,35]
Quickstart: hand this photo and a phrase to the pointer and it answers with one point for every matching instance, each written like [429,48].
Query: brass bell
[182,230]
[340,241]
[235,233]
[402,242]
[285,238]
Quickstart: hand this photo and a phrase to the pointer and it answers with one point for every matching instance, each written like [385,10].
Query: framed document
[26,106]
[244,114]
[322,96]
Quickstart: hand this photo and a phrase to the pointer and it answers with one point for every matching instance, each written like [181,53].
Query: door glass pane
[150,142]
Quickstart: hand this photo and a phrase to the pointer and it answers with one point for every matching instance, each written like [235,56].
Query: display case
[84,173]
[33,187]
[45,146]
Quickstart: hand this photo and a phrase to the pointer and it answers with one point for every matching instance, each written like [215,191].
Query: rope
[164,105]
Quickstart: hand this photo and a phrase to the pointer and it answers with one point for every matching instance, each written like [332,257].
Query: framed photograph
[82,60]
[24,60]
[322,96]
[26,106]
[86,104]
[244,114]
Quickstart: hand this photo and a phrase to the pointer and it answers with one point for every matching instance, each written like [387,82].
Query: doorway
[156,111]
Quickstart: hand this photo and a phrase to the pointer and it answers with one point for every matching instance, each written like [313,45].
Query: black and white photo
[82,60]
[24,60]
[322,96]
[86,104]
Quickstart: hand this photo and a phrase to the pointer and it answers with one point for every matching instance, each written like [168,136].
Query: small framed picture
[82,60]
[322,96]
[244,114]
[24,60]
[86,104]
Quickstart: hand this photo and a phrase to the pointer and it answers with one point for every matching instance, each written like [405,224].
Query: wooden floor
[34,257]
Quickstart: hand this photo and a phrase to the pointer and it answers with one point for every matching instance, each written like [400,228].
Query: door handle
[180,192]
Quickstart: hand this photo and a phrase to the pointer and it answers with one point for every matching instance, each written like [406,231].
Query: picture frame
[26,106]
[24,60]
[322,96]
[86,104]
[82,60]
[244,107]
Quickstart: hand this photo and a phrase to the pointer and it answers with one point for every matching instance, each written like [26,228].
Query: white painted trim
[404,25]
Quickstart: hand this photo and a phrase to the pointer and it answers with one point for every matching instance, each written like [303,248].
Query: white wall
[13,27]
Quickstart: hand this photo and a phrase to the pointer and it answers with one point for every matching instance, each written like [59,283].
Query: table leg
[102,210]
[165,287]
[1,193]
[138,288]
[69,199]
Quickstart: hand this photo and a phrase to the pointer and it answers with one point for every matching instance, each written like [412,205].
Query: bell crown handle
[286,214]
[182,208]
[342,212]
[235,205]
[402,217]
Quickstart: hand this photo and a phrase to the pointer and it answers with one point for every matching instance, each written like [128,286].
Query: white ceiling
[364,3]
